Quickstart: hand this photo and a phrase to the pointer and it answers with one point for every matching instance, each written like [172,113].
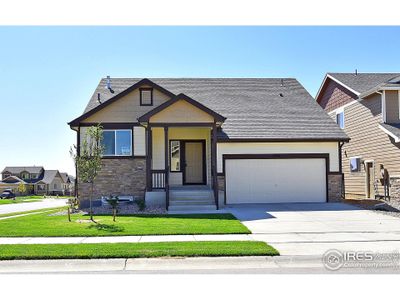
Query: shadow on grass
[106,227]
[221,216]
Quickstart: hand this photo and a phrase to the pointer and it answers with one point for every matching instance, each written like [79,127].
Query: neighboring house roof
[255,108]
[13,179]
[16,170]
[392,130]
[64,177]
[49,176]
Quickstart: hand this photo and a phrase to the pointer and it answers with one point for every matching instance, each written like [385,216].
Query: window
[146,97]
[340,119]
[6,175]
[355,164]
[25,175]
[55,186]
[33,176]
[117,142]
[175,148]
[40,187]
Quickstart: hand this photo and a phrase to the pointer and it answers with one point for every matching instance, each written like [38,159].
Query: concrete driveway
[313,229]
[21,207]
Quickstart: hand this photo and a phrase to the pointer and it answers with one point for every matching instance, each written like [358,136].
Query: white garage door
[275,180]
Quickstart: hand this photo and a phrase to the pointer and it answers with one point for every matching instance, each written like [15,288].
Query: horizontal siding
[369,142]
[139,141]
[126,109]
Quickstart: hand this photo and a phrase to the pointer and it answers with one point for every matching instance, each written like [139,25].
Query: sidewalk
[191,265]
[126,239]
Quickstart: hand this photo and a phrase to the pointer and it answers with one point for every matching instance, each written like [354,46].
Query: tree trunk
[114,213]
[69,215]
[90,202]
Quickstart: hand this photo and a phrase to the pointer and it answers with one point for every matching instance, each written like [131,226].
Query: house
[212,141]
[12,177]
[68,183]
[52,183]
[37,180]
[366,106]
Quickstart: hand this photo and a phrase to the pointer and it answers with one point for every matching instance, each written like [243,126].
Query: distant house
[37,181]
[68,185]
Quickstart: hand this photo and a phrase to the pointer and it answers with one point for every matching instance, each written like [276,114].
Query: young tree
[88,159]
[21,188]
[113,201]
[72,205]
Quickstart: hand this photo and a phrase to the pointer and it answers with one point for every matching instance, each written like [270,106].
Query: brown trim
[270,140]
[214,163]
[206,124]
[144,81]
[151,96]
[148,115]
[78,153]
[111,125]
[166,167]
[149,144]
[183,165]
[281,156]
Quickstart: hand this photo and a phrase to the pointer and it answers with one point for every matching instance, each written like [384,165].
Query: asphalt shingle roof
[16,170]
[392,128]
[362,82]
[264,108]
[49,176]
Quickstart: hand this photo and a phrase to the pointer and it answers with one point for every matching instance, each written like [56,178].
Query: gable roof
[64,177]
[173,100]
[49,176]
[17,170]
[362,83]
[13,179]
[255,108]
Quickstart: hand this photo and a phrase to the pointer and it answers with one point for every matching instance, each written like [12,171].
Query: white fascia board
[396,139]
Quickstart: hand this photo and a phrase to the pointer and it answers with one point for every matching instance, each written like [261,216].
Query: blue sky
[47,74]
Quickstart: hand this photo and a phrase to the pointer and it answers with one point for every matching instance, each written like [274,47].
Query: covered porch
[181,161]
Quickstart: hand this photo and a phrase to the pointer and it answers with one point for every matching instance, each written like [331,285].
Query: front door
[370,180]
[194,172]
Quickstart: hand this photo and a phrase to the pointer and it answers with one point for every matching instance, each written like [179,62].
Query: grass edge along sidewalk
[136,250]
[49,225]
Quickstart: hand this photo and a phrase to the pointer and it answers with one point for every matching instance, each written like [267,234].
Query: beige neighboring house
[68,183]
[367,107]
[52,183]
[12,177]
[202,143]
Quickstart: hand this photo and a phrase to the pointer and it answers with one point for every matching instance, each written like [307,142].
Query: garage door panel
[275,180]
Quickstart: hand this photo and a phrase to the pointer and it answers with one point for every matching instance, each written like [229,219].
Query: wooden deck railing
[158,179]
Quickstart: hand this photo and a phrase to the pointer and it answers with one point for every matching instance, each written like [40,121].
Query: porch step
[194,208]
[184,200]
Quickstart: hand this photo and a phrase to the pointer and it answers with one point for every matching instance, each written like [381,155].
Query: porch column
[214,163]
[166,166]
[149,156]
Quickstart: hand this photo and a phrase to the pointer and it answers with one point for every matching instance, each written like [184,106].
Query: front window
[117,142]
[175,150]
[40,187]
[340,119]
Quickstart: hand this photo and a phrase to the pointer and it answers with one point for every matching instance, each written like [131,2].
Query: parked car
[7,194]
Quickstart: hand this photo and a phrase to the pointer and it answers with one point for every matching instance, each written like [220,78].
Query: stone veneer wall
[335,187]
[395,190]
[221,182]
[118,176]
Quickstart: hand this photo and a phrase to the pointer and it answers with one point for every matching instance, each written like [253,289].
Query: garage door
[275,180]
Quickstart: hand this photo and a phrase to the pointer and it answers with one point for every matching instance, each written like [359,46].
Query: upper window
[117,142]
[355,164]
[175,148]
[25,175]
[33,176]
[340,119]
[146,96]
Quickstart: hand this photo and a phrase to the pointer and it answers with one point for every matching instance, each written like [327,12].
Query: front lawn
[40,225]
[131,250]
[22,199]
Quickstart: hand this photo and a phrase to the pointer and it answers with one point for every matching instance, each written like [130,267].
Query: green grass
[21,199]
[40,225]
[130,250]
[48,210]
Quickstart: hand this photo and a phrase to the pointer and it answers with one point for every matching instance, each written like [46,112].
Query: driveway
[313,229]
[21,207]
